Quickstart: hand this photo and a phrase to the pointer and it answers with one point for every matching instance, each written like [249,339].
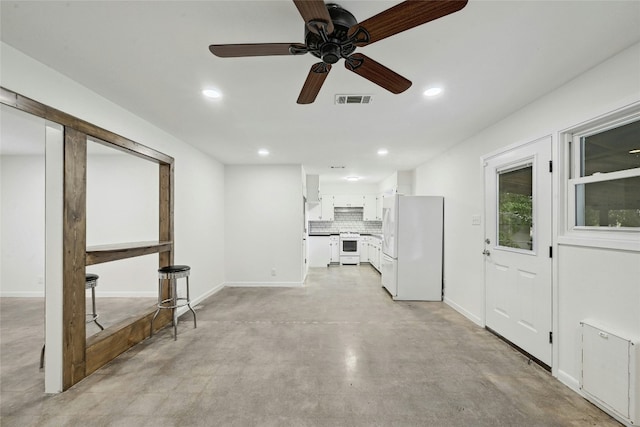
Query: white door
[518,194]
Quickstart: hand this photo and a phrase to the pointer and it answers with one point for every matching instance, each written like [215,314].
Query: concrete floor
[337,352]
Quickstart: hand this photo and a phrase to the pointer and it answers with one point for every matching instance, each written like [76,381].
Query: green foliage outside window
[516,220]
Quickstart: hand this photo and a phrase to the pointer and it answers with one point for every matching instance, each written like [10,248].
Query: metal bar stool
[90,282]
[172,273]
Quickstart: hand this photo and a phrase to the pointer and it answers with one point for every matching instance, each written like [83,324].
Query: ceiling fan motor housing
[337,45]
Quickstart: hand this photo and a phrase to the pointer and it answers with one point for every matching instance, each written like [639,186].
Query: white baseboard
[475,319]
[125,294]
[569,381]
[574,384]
[99,293]
[197,300]
[33,294]
[263,284]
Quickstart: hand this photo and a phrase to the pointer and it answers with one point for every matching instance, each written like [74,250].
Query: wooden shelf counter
[113,252]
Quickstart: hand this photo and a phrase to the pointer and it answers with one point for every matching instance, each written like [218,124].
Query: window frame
[626,238]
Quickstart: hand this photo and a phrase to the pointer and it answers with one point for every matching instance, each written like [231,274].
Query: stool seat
[174,272]
[91,280]
[174,269]
[171,273]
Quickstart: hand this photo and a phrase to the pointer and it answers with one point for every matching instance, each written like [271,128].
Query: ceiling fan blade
[315,11]
[376,73]
[402,17]
[312,85]
[257,49]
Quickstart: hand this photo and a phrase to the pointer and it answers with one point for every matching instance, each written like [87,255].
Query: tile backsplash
[346,219]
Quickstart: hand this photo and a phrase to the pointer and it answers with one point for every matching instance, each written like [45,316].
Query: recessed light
[263,152]
[212,93]
[383,152]
[353,178]
[433,91]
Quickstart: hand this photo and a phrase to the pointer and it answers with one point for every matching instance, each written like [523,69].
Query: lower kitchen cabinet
[364,248]
[319,253]
[334,248]
[324,250]
[375,252]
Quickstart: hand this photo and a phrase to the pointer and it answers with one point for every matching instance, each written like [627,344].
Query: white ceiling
[152,58]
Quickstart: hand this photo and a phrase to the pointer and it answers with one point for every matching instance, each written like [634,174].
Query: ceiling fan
[333,33]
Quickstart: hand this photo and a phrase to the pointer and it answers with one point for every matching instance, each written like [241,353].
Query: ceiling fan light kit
[333,33]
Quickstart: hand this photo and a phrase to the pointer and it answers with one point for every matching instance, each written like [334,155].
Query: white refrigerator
[412,228]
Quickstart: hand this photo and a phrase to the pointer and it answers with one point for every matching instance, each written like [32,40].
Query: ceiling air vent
[353,99]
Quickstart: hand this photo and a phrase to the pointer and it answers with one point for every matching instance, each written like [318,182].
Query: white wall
[598,283]
[401,182]
[122,206]
[348,188]
[22,218]
[199,179]
[264,219]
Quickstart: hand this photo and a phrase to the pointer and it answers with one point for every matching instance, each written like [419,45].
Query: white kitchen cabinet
[319,251]
[375,252]
[370,211]
[346,201]
[364,248]
[314,211]
[379,207]
[327,205]
[334,248]
[371,252]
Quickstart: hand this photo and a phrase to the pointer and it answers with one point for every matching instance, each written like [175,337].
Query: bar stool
[90,282]
[172,273]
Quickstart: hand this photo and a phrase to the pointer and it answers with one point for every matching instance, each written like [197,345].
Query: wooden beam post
[73,259]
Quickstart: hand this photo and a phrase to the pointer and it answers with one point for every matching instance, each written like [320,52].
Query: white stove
[349,248]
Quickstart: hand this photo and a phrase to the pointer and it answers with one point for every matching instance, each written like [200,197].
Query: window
[515,208]
[604,181]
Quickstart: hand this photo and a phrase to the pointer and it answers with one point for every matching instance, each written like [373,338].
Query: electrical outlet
[273,271]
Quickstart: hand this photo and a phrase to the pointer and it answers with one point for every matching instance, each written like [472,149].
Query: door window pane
[515,208]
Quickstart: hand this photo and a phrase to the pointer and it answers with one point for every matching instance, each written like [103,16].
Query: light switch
[476,219]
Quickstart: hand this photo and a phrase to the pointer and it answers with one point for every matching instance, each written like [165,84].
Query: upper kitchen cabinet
[314,211]
[322,211]
[327,203]
[313,188]
[341,201]
[370,211]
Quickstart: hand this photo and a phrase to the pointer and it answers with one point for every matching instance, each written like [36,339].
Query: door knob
[487,241]
[486,252]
